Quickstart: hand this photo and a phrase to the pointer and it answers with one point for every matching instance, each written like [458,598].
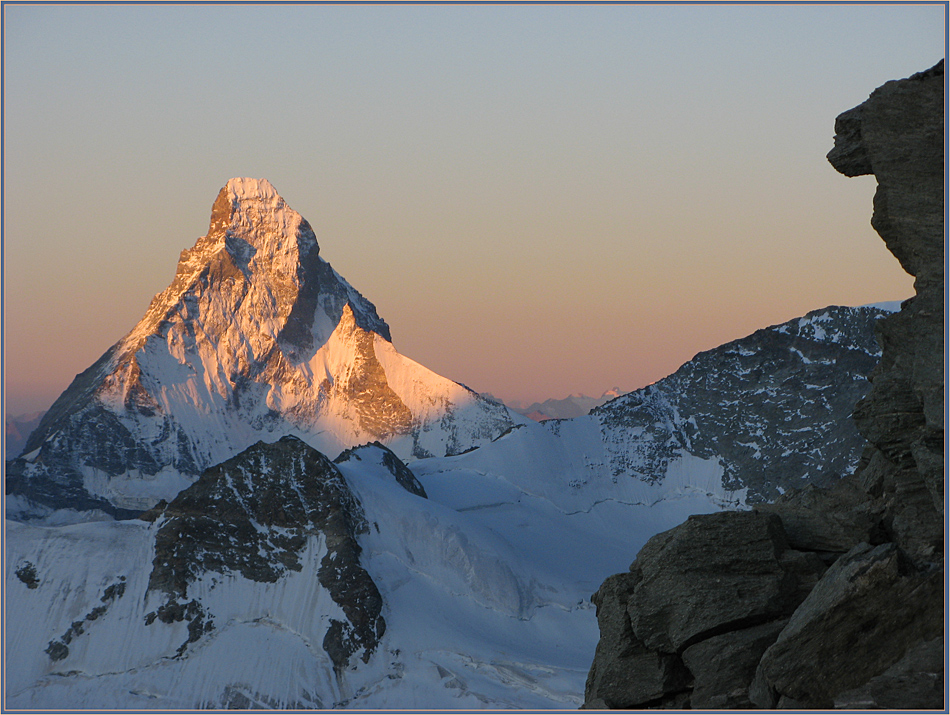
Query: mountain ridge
[267,574]
[574,405]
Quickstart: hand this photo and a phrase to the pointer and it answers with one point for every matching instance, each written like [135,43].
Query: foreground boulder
[737,565]
[832,596]
[871,607]
[715,589]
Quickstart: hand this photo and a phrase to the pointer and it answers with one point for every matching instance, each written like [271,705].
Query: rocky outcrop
[897,135]
[872,606]
[375,452]
[253,516]
[832,596]
[716,584]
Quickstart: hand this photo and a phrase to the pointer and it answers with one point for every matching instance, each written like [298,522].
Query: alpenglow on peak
[256,338]
[252,209]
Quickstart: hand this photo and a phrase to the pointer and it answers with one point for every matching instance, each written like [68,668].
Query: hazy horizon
[539,200]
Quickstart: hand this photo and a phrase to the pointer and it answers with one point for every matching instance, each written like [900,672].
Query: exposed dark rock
[724,666]
[156,511]
[58,649]
[625,673]
[26,572]
[899,133]
[915,682]
[772,408]
[716,586]
[730,562]
[868,632]
[253,515]
[116,590]
[829,520]
[871,607]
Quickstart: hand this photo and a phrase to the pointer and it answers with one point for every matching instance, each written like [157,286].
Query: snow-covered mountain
[279,579]
[257,337]
[282,580]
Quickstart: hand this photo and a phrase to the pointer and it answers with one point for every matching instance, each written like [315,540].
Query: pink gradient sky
[540,200]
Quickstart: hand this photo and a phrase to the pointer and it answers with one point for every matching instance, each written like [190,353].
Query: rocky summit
[257,337]
[832,596]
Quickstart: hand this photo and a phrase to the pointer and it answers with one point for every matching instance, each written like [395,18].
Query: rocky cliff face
[257,337]
[833,595]
[897,135]
[254,515]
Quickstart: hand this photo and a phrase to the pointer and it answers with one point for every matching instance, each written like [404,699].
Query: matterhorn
[256,338]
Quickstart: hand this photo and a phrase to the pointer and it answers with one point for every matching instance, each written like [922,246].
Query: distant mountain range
[575,405]
[17,429]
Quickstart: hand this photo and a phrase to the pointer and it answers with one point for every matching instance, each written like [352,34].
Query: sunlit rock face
[257,337]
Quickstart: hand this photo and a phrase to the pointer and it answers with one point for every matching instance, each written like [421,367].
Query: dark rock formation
[915,682]
[870,608]
[59,647]
[723,666]
[897,135]
[737,564]
[715,585]
[26,572]
[737,610]
[253,515]
[625,672]
[829,520]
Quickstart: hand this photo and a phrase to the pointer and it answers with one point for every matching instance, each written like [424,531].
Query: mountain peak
[256,337]
[258,266]
[246,188]
[252,210]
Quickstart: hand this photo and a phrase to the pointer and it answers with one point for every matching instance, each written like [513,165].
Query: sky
[539,199]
